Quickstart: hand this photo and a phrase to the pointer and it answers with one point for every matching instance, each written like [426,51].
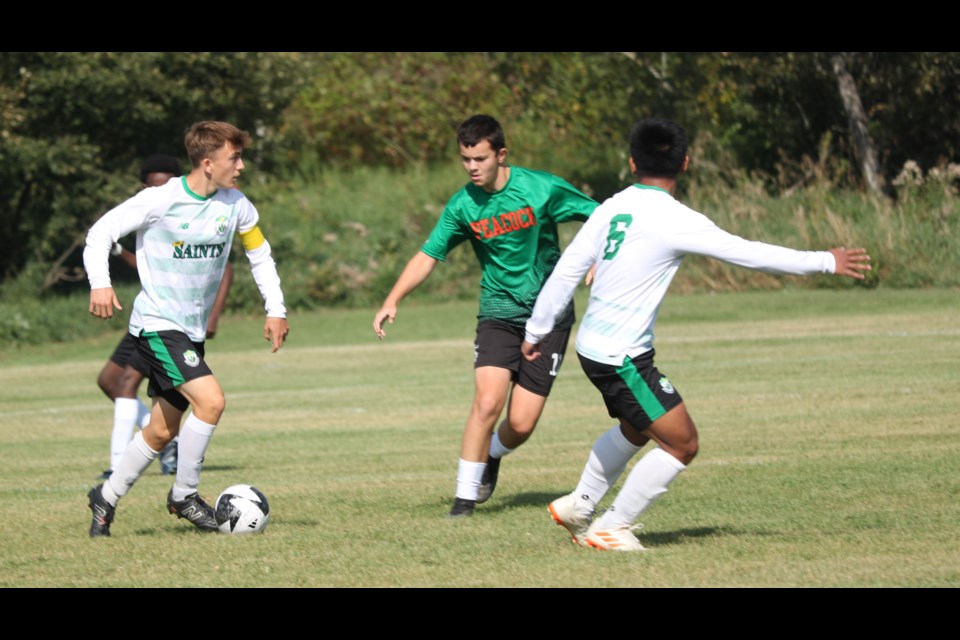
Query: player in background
[123,373]
[510,216]
[638,239]
[185,230]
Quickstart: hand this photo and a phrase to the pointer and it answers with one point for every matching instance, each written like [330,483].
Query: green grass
[830,456]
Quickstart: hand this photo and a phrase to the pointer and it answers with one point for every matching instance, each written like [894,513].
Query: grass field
[830,456]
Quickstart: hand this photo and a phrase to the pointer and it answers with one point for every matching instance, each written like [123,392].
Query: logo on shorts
[191,358]
[221,225]
[666,386]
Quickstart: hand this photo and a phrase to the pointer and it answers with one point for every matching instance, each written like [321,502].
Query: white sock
[124,423]
[194,438]
[648,480]
[143,414]
[133,463]
[468,478]
[497,450]
[608,458]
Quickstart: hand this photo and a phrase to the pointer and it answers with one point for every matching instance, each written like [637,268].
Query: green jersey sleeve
[447,234]
[568,203]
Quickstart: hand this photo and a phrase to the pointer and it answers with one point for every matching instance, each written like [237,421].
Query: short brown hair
[203,139]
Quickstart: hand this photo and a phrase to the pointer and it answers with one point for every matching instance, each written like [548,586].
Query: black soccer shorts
[498,345]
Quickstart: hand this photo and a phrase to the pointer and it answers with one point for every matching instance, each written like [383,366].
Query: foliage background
[354,156]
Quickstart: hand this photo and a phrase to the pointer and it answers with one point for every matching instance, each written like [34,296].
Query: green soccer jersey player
[510,217]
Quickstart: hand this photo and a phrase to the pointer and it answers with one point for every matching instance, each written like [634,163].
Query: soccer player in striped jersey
[123,373]
[509,215]
[184,233]
[637,239]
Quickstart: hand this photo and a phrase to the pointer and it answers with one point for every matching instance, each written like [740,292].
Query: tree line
[74,126]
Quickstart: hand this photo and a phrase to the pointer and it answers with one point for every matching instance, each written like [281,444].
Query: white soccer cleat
[613,538]
[563,513]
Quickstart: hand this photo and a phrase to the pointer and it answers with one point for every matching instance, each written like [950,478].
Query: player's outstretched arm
[851,262]
[103,301]
[275,330]
[417,270]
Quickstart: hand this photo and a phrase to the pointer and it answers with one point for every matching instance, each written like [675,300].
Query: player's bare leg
[523,412]
[492,385]
[674,431]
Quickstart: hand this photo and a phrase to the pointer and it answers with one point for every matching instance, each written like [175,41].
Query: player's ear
[502,156]
[686,164]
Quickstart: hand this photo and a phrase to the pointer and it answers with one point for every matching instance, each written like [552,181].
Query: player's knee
[687,450]
[128,383]
[211,408]
[106,387]
[522,428]
[107,384]
[488,407]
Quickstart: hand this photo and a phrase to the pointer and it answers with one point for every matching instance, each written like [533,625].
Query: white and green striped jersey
[183,242]
[638,239]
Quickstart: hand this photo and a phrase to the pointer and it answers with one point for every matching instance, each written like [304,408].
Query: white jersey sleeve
[702,236]
[142,209]
[556,293]
[262,264]
[638,240]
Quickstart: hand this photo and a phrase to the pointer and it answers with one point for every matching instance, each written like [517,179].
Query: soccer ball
[242,508]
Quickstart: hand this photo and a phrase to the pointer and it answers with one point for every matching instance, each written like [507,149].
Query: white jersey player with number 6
[637,239]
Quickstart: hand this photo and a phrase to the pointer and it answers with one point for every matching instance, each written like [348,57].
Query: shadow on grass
[681,536]
[220,467]
[540,499]
[528,499]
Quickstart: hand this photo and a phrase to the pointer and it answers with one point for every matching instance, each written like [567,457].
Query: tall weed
[341,238]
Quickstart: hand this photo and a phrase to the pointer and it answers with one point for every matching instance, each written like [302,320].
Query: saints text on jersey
[182,250]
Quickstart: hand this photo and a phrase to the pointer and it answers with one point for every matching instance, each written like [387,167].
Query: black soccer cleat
[194,509]
[461,508]
[102,513]
[488,482]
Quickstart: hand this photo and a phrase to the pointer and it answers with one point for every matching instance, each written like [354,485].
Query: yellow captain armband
[252,239]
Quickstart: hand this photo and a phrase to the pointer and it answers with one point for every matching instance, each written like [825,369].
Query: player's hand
[590,275]
[103,301]
[851,262]
[275,330]
[530,351]
[212,327]
[386,314]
